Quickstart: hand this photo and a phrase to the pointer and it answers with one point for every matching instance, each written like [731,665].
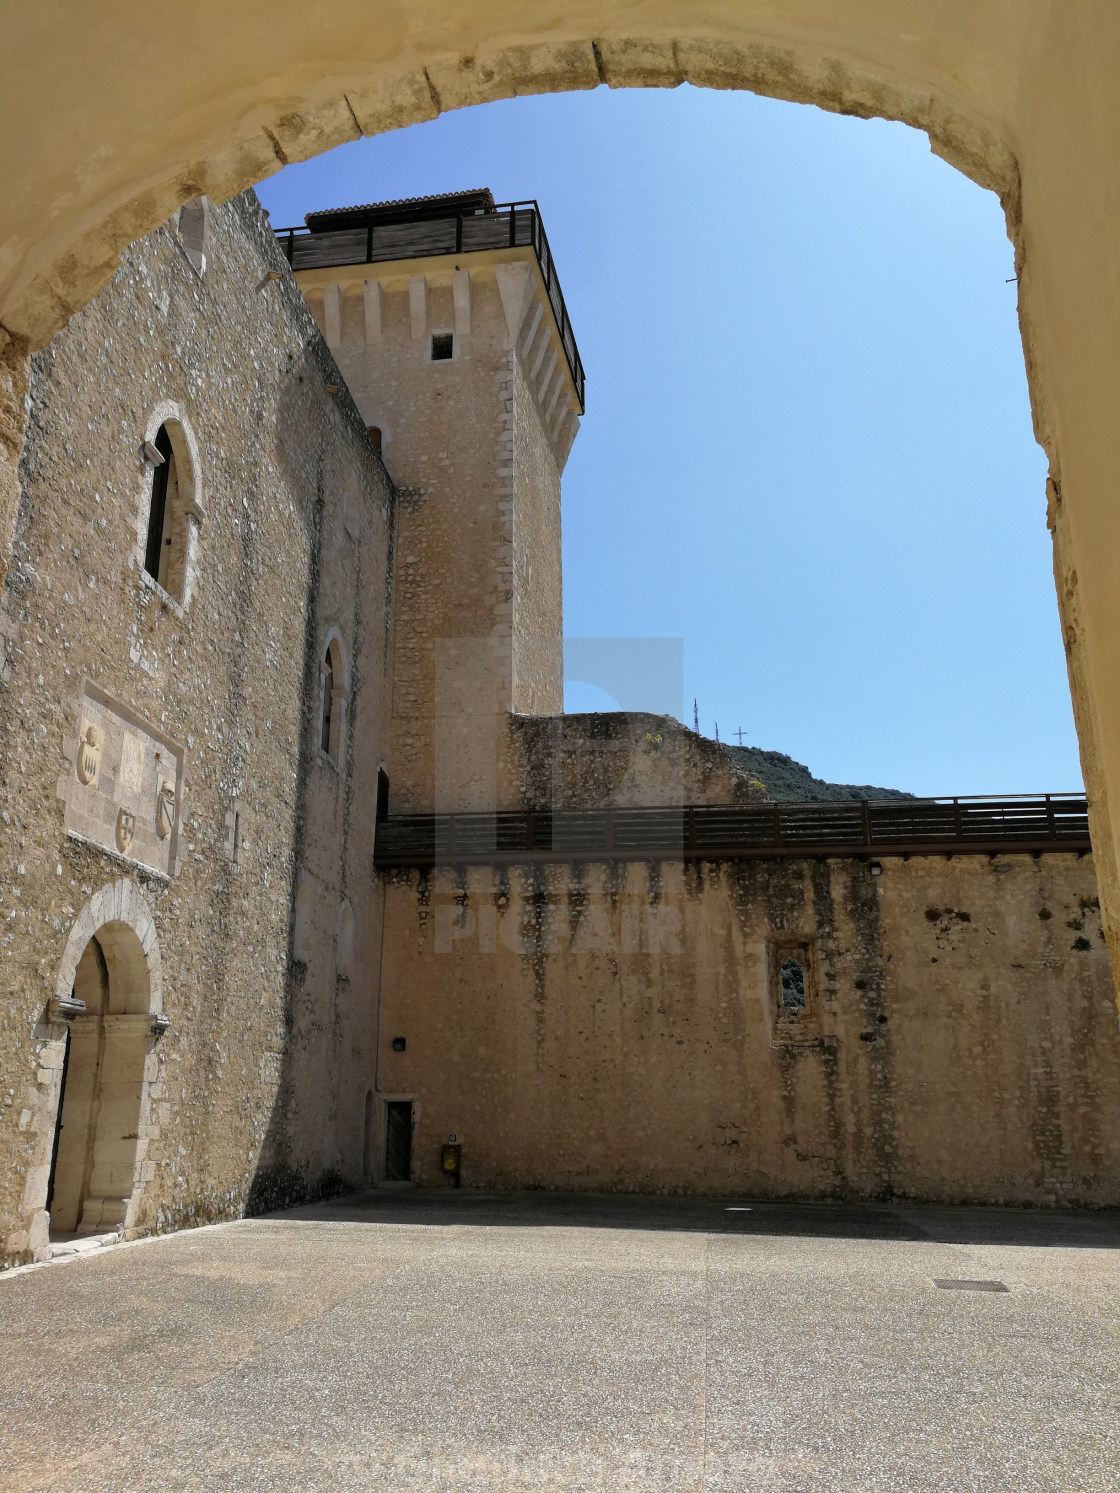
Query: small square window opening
[443,346]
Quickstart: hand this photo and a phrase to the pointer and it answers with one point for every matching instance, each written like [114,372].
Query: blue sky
[807,450]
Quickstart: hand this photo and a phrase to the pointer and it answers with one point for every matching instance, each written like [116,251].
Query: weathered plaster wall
[259,1085]
[616,1028]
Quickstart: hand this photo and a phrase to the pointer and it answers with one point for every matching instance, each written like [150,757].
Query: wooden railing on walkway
[877,827]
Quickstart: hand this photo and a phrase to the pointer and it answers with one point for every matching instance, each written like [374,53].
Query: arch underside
[308,116]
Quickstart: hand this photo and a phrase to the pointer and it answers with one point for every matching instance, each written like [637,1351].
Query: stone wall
[621,759]
[478,609]
[538,605]
[623,1027]
[205,709]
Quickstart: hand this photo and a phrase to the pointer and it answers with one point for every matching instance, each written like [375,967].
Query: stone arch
[186,510]
[119,906]
[111,962]
[288,114]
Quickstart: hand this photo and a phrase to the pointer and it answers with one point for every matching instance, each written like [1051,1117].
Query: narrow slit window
[443,346]
[159,539]
[172,510]
[328,692]
[367,1136]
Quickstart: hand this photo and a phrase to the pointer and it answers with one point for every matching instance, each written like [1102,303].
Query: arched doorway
[109,990]
[98,1120]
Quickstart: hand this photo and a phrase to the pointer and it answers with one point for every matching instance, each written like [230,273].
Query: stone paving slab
[452,1342]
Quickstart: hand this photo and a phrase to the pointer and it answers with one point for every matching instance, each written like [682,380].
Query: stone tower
[446,318]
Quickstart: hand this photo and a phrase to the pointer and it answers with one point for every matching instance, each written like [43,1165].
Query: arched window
[173,509]
[333,696]
[193,231]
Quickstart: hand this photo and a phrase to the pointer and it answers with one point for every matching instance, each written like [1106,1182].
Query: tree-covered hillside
[787,781]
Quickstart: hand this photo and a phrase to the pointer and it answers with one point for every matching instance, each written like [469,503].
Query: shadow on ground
[447,1207]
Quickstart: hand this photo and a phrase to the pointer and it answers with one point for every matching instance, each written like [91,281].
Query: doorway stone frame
[118,902]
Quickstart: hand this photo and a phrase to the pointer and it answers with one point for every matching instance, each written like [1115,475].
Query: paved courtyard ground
[469,1343]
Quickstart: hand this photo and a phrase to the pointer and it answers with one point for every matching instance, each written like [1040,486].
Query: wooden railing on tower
[511,225]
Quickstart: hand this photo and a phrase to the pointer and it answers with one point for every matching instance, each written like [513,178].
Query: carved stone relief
[126,828]
[126,787]
[165,807]
[89,754]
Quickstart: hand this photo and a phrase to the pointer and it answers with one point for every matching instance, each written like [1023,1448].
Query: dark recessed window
[443,345]
[157,513]
[793,986]
[165,549]
[328,701]
[375,435]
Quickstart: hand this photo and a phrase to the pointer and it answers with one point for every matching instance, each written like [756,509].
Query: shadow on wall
[444,1208]
[309,452]
[280,1180]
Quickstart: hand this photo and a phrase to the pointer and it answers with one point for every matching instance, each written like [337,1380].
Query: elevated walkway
[873,828]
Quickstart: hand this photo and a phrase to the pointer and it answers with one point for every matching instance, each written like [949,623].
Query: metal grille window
[792,986]
[795,1015]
